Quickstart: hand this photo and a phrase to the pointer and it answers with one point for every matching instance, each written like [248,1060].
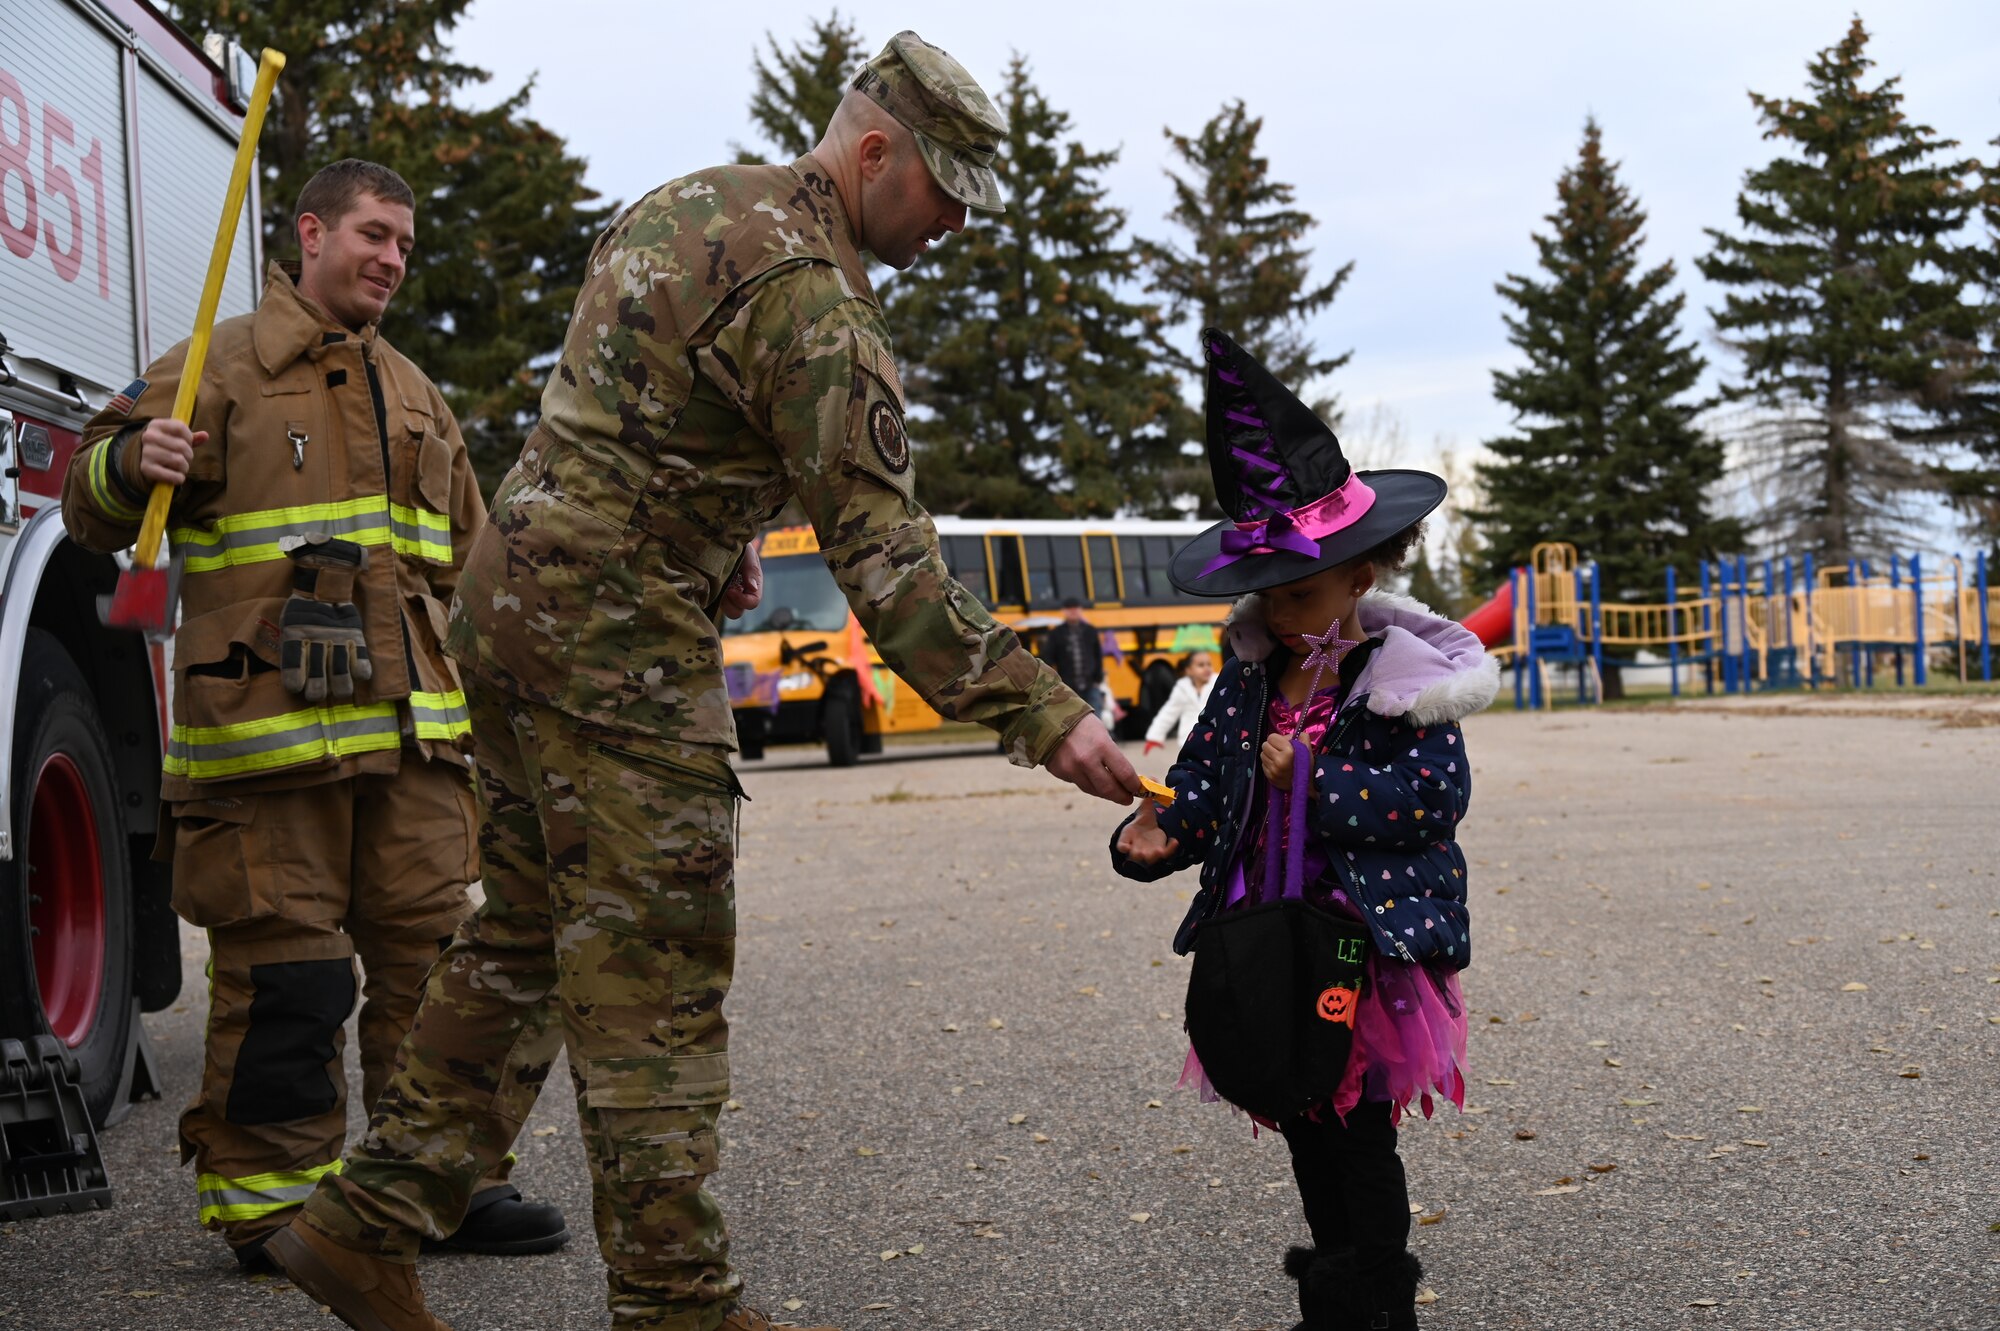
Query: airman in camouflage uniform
[726,353]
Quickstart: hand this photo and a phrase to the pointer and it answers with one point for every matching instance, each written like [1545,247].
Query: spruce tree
[797,90]
[1965,397]
[1245,268]
[1037,390]
[504,220]
[1607,455]
[1844,301]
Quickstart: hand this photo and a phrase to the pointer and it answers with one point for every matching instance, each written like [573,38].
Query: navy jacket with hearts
[1391,777]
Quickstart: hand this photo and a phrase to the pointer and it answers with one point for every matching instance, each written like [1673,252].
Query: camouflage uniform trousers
[608,929]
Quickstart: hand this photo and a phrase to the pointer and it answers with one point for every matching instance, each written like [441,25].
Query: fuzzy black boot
[1324,1279]
[1382,1296]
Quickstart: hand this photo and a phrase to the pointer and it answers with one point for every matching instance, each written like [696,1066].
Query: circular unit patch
[885,428]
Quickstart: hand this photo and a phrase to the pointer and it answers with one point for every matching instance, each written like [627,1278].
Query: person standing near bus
[1075,650]
[727,353]
[315,774]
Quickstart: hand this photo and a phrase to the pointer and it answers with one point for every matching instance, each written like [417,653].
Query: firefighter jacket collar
[290,324]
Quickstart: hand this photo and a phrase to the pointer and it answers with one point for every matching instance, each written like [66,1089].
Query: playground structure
[1748,625]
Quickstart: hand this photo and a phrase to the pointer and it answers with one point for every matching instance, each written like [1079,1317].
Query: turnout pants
[292,886]
[608,930]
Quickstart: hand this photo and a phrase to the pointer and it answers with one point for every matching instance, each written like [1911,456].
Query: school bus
[800,670]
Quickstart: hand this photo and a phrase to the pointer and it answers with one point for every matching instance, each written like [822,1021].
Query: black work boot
[1383,1294]
[500,1224]
[1324,1279]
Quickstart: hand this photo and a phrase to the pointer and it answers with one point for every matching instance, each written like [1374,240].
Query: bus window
[1041,571]
[1159,553]
[1132,550]
[1103,572]
[1069,568]
[965,556]
[1011,588]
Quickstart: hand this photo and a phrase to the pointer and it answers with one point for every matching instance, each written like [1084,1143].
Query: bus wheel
[1155,686]
[751,727]
[840,720]
[65,897]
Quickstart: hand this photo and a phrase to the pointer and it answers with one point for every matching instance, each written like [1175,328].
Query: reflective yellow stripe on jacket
[311,734]
[104,489]
[252,538]
[227,1199]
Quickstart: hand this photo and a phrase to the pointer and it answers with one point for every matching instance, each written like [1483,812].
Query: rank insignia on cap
[885,428]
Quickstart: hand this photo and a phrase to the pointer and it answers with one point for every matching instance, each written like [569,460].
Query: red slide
[1493,623]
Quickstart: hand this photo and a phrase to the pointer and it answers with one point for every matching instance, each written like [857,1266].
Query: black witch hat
[1296,505]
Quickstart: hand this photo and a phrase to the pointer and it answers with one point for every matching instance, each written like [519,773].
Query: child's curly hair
[1392,554]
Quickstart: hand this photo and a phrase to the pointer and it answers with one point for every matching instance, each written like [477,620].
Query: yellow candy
[1162,794]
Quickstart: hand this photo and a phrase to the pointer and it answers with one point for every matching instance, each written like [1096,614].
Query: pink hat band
[1298,530]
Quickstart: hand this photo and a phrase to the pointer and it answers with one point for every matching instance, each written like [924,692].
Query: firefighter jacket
[311,428]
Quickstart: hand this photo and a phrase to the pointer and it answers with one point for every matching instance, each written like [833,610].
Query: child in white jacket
[1183,706]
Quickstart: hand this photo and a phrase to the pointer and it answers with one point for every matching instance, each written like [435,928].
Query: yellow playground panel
[1754,624]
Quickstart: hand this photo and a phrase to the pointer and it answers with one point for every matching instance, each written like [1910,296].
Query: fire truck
[117,133]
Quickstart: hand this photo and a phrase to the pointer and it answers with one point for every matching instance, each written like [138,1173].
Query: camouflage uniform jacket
[310,427]
[726,352]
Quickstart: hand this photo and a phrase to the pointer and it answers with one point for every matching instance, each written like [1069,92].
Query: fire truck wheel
[65,897]
[840,721]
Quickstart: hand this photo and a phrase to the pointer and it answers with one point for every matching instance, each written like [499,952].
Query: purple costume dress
[1410,1024]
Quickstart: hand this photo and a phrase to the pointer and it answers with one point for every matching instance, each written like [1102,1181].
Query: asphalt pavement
[1736,1006]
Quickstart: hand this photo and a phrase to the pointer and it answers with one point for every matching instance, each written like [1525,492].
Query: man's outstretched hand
[1089,759]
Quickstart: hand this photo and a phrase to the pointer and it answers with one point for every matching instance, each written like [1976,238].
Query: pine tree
[798,91]
[1608,456]
[504,220]
[1035,379]
[1965,397]
[1245,270]
[1845,301]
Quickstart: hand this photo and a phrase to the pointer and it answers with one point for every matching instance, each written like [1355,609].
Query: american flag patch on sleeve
[122,404]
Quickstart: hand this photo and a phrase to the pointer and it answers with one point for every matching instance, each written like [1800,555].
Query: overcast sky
[1425,138]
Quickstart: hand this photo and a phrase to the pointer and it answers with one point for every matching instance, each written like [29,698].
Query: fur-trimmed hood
[1427,668]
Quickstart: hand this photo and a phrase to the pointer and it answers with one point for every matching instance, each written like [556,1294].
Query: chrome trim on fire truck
[22,561]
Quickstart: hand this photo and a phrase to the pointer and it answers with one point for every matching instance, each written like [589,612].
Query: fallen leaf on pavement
[1140,1217]
[1600,1169]
[792,1305]
[1853,987]
[864,1151]
[1017,1119]
[1559,1190]
[1427,1294]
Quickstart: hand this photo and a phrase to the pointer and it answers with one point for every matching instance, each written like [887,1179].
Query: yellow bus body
[782,659]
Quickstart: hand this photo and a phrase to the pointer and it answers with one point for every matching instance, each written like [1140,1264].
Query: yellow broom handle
[150,530]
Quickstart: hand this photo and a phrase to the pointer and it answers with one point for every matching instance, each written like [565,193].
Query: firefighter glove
[322,646]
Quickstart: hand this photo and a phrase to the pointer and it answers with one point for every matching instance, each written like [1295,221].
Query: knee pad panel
[282,1068]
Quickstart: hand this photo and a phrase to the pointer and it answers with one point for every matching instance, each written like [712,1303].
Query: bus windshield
[799,596]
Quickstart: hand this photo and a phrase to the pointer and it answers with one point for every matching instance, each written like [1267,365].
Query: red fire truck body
[117,135]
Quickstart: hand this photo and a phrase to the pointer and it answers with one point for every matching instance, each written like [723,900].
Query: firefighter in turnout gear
[316,777]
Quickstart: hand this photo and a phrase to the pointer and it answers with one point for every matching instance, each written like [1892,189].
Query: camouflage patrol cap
[958,128]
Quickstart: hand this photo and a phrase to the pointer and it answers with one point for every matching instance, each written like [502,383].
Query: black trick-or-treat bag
[1272,995]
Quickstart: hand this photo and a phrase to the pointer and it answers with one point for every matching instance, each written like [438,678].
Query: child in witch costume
[1327,773]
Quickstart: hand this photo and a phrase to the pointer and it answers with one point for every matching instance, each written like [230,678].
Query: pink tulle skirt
[1409,1043]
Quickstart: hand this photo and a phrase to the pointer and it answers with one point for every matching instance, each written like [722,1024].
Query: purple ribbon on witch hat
[1297,530]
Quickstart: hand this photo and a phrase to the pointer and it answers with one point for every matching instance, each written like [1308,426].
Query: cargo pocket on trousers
[213,855]
[662,849]
[658,1114]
